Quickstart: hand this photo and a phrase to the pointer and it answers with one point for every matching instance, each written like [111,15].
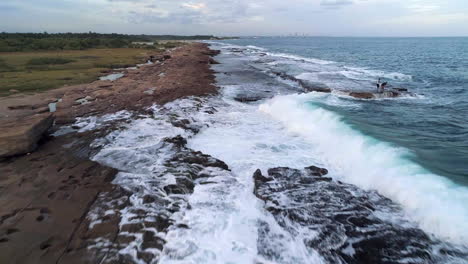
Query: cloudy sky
[239,17]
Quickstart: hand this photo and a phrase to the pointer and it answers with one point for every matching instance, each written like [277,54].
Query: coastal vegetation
[49,61]
[43,70]
[14,42]
[34,62]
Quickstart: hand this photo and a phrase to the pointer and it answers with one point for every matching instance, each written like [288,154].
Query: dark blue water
[433,126]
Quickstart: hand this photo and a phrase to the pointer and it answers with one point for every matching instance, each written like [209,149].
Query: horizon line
[302,35]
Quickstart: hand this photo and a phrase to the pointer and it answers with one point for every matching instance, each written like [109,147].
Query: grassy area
[49,61]
[29,72]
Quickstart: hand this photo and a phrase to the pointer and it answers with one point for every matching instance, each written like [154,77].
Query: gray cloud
[239,17]
[189,12]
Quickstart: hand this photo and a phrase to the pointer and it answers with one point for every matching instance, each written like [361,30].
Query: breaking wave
[437,204]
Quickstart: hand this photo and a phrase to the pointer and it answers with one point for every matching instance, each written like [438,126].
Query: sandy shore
[46,195]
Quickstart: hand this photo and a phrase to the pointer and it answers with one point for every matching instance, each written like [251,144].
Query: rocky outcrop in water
[305,85]
[247,99]
[339,221]
[393,93]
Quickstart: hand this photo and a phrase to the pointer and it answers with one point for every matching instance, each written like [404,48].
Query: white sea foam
[255,47]
[351,72]
[225,215]
[275,54]
[84,124]
[299,58]
[364,73]
[437,204]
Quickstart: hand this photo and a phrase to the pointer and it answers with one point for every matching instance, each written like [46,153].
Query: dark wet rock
[362,95]
[258,180]
[285,76]
[212,61]
[210,110]
[139,212]
[196,157]
[132,228]
[244,98]
[124,239]
[305,85]
[150,199]
[150,240]
[147,257]
[236,50]
[161,223]
[212,52]
[388,93]
[20,136]
[179,141]
[341,218]
[284,172]
[400,89]
[183,226]
[316,171]
[187,125]
[177,189]
[311,87]
[182,123]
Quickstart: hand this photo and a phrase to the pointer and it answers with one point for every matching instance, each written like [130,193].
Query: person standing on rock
[381,86]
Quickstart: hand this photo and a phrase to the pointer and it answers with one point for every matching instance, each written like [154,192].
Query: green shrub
[170,45]
[4,67]
[112,65]
[49,61]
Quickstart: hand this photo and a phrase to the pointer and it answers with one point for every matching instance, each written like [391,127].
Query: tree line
[13,42]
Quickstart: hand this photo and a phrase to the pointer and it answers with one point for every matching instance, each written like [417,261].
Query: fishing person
[381,86]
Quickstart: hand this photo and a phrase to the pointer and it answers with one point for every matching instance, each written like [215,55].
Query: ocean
[398,167]
[433,127]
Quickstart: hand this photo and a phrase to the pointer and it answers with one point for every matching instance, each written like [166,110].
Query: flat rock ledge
[20,136]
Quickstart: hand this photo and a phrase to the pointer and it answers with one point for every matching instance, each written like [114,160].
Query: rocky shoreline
[49,185]
[114,179]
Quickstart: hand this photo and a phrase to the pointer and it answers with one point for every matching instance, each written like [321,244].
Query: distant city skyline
[403,18]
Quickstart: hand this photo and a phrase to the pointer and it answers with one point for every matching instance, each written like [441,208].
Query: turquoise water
[433,126]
